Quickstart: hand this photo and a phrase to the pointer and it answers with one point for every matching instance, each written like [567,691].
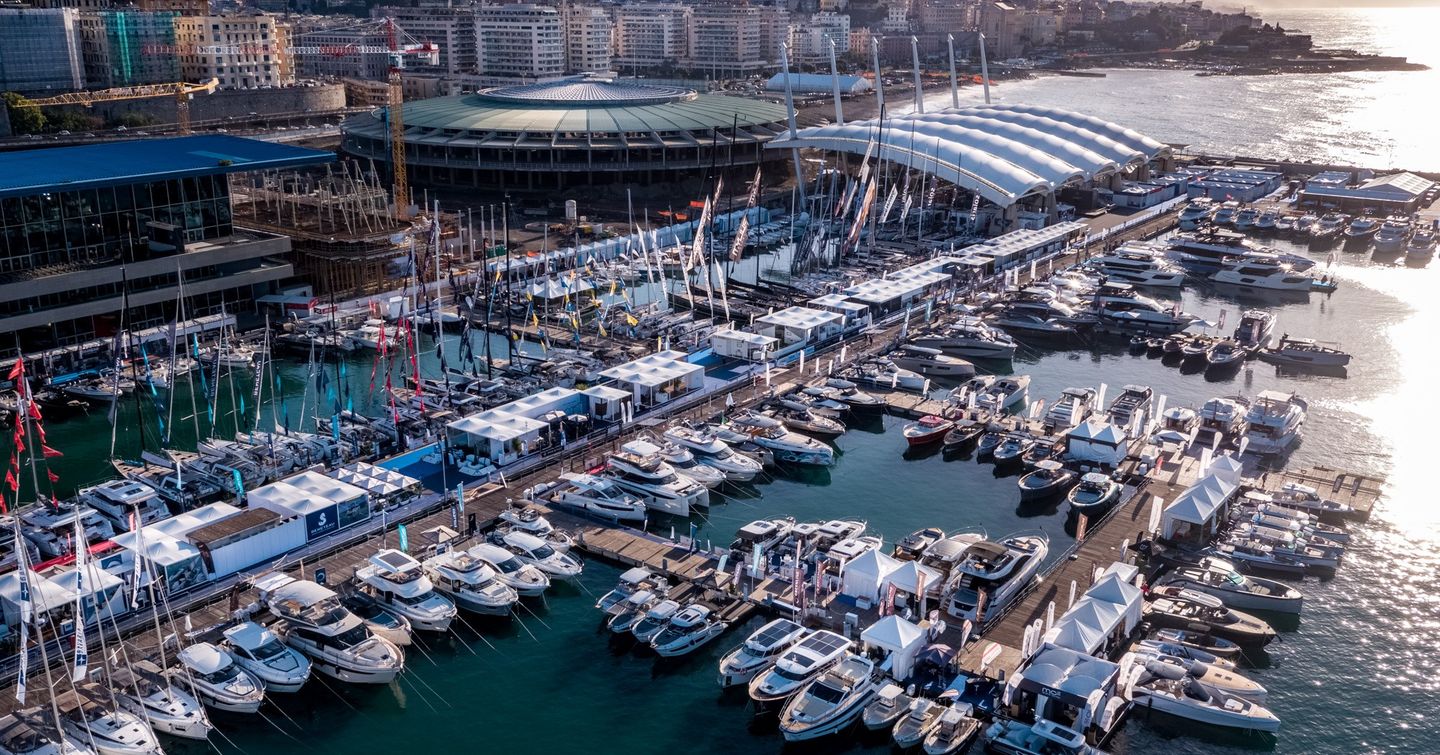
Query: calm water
[1360,673]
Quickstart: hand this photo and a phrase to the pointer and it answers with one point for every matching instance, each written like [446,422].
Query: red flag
[1080,528]
[35,411]
[18,369]
[11,481]
[50,453]
[53,477]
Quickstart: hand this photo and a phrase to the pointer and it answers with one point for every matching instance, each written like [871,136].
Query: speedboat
[1254,329]
[623,616]
[831,702]
[1225,215]
[1219,578]
[926,430]
[921,717]
[1004,393]
[1265,273]
[526,580]
[1360,231]
[1224,355]
[1044,737]
[1422,244]
[797,666]
[1258,557]
[1049,478]
[687,630]
[1196,212]
[1178,425]
[1192,610]
[1073,406]
[522,517]
[1302,497]
[759,651]
[849,394]
[962,434]
[258,651]
[536,552]
[213,676]
[142,688]
[631,581]
[1186,652]
[969,337]
[88,714]
[1328,229]
[638,468]
[1000,571]
[889,705]
[472,583]
[710,450]
[931,362]
[398,582]
[654,621]
[1033,325]
[1011,449]
[1152,685]
[1393,235]
[337,642]
[1304,223]
[801,419]
[1195,348]
[1096,492]
[599,496]
[1302,353]
[1199,641]
[1246,218]
[1284,543]
[1274,422]
[1275,515]
[1265,223]
[954,732]
[789,447]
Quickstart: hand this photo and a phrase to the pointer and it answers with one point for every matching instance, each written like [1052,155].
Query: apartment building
[651,35]
[519,42]
[589,38]
[242,51]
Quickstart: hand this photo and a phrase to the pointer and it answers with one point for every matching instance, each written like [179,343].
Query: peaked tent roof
[893,633]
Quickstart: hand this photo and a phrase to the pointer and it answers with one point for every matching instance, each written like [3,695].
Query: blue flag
[404,540]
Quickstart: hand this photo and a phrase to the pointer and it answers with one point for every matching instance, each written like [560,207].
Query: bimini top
[1003,152]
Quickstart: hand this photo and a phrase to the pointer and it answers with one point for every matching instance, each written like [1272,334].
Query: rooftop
[91,166]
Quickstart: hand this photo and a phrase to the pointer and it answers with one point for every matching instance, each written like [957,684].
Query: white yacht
[536,552]
[831,702]
[1196,212]
[398,582]
[599,496]
[32,732]
[1132,405]
[336,640]
[258,651]
[1188,698]
[221,683]
[931,362]
[655,620]
[1208,251]
[995,573]
[759,651]
[796,667]
[123,501]
[710,450]
[142,688]
[522,517]
[1220,578]
[1267,273]
[88,715]
[685,463]
[1274,422]
[1393,235]
[688,630]
[631,581]
[1008,736]
[52,530]
[1139,266]
[1223,417]
[1254,329]
[789,447]
[1225,215]
[969,337]
[526,580]
[1072,408]
[638,468]
[883,373]
[471,583]
[1119,306]
[1004,393]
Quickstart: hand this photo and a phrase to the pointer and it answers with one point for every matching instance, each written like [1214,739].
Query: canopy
[864,575]
[1228,468]
[902,639]
[1198,505]
[907,578]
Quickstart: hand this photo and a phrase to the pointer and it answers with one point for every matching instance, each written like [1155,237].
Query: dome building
[572,133]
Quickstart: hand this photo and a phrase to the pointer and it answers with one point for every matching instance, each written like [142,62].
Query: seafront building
[42,50]
[93,230]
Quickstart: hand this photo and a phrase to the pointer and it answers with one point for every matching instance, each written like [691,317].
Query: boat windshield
[269,650]
[542,551]
[509,565]
[352,637]
[827,693]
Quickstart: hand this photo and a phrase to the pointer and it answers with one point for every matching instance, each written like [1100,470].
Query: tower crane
[180,90]
[429,54]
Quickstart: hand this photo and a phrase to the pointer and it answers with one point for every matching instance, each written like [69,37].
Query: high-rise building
[519,42]
[734,40]
[589,39]
[452,28]
[243,51]
[651,35]
[128,48]
[183,7]
[332,46]
[40,50]
[812,39]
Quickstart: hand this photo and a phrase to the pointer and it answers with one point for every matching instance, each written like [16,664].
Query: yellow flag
[613,283]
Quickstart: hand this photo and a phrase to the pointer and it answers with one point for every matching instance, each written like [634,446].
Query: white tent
[1096,442]
[864,576]
[1115,590]
[1228,468]
[900,638]
[906,578]
[1194,511]
[1076,635]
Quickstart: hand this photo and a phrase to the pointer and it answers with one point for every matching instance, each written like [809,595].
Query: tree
[25,115]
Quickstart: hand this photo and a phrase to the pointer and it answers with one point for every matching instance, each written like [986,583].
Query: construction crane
[428,53]
[180,90]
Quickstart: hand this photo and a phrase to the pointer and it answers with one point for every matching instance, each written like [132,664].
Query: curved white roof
[1003,152]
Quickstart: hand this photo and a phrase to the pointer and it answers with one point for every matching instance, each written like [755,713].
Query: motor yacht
[638,468]
[397,581]
[1274,422]
[1246,219]
[1226,213]
[688,630]
[472,583]
[927,430]
[1033,325]
[1257,556]
[1118,305]
[1219,578]
[1153,686]
[381,621]
[522,517]
[1328,229]
[599,496]
[1393,235]
[1095,493]
[51,529]
[258,651]
[124,501]
[1317,559]
[1178,425]
[1222,421]
[1304,353]
[1049,478]
[1309,523]
[88,715]
[1254,329]
[536,552]
[710,450]
[1304,223]
[1132,406]
[1072,407]
[1262,273]
[849,394]
[992,574]
[337,642]
[1301,497]
[913,545]
[921,717]
[889,705]
[883,373]
[1011,449]
[1360,232]
[1192,610]
[1265,221]
[831,702]
[788,447]
[1204,253]
[654,620]
[801,419]
[526,580]
[797,666]
[1197,212]
[1184,652]
[954,732]
[1005,393]
[1044,737]
[969,337]
[212,675]
[686,464]
[1422,244]
[931,362]
[1285,224]
[142,688]
[622,616]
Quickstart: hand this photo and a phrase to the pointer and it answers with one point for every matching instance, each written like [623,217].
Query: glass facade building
[40,50]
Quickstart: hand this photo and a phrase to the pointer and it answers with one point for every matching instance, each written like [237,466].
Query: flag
[742,237]
[888,607]
[24,662]
[404,538]
[1080,526]
[50,453]
[890,203]
[23,572]
[82,653]
[18,369]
